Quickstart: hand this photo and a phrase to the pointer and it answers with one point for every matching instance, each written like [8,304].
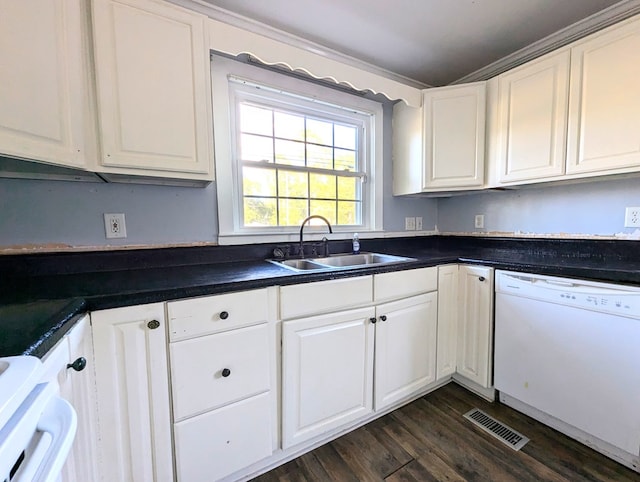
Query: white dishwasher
[567,352]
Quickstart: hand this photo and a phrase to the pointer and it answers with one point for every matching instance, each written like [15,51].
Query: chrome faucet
[326,247]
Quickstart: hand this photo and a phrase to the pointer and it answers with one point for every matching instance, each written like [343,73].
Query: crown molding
[605,18]
[240,21]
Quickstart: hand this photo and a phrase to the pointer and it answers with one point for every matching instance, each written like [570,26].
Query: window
[295,149]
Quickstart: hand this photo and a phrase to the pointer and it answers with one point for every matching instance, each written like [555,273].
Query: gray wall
[71,213]
[587,208]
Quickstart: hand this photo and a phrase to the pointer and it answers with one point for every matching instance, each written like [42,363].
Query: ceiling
[432,41]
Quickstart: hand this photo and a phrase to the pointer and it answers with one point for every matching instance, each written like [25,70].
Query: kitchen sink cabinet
[132,382]
[44,88]
[475,325]
[153,89]
[405,348]
[440,146]
[327,377]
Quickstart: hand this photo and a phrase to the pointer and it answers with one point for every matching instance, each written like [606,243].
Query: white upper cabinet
[604,107]
[43,91]
[440,147]
[153,89]
[454,119]
[532,125]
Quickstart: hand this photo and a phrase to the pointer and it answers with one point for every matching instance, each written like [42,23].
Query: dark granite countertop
[41,294]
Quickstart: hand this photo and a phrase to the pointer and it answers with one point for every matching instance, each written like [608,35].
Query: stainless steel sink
[340,261]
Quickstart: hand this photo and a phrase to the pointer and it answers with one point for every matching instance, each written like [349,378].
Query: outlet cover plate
[410,224]
[632,217]
[114,225]
[418,223]
[479,221]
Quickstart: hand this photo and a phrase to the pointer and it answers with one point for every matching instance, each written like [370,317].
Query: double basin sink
[340,261]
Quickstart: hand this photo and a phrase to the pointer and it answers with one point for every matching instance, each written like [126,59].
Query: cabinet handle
[373,320]
[383,318]
[226,372]
[224,315]
[481,278]
[153,324]
[78,364]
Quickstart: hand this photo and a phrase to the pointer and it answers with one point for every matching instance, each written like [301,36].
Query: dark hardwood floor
[429,440]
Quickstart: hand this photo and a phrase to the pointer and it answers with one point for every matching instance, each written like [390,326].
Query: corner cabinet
[440,147]
[475,325]
[44,89]
[153,89]
[447,320]
[132,381]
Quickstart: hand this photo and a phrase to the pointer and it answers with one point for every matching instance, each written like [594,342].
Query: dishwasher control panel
[590,295]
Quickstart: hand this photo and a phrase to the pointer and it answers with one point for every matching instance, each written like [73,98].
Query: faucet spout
[314,216]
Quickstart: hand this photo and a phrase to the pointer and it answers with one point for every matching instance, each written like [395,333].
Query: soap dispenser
[356,244]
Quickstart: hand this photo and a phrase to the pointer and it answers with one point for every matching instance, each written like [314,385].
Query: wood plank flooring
[429,440]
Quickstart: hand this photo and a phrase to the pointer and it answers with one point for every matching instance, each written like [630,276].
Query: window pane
[319,156]
[292,184]
[290,152]
[319,132]
[345,137]
[348,212]
[292,211]
[260,212]
[324,208]
[255,120]
[256,148]
[258,182]
[348,188]
[289,126]
[345,160]
[322,186]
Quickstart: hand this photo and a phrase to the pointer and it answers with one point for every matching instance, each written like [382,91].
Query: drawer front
[400,284]
[218,443]
[200,380]
[325,296]
[202,316]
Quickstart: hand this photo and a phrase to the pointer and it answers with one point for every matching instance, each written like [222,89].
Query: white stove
[37,427]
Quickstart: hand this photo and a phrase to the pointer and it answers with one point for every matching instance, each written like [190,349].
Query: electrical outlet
[632,217]
[114,225]
[479,221]
[418,223]
[410,224]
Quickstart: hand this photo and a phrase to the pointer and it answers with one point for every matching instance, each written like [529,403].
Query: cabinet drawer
[202,316]
[400,284]
[197,366]
[325,296]
[218,443]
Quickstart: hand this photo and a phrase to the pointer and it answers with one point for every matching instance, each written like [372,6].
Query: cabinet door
[454,120]
[79,388]
[475,324]
[533,119]
[405,347]
[447,320]
[604,107]
[132,382]
[327,364]
[43,88]
[153,88]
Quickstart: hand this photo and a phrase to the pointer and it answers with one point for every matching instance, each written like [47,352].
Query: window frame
[233,81]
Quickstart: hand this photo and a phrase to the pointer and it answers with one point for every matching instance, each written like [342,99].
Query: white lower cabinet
[475,325]
[327,373]
[405,356]
[132,381]
[447,320]
[222,369]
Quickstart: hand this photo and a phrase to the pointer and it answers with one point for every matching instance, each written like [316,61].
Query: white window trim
[227,176]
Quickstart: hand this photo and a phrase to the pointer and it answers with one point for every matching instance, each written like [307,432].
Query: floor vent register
[497,429]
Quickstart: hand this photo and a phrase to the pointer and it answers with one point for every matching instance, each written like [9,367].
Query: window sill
[313,235]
